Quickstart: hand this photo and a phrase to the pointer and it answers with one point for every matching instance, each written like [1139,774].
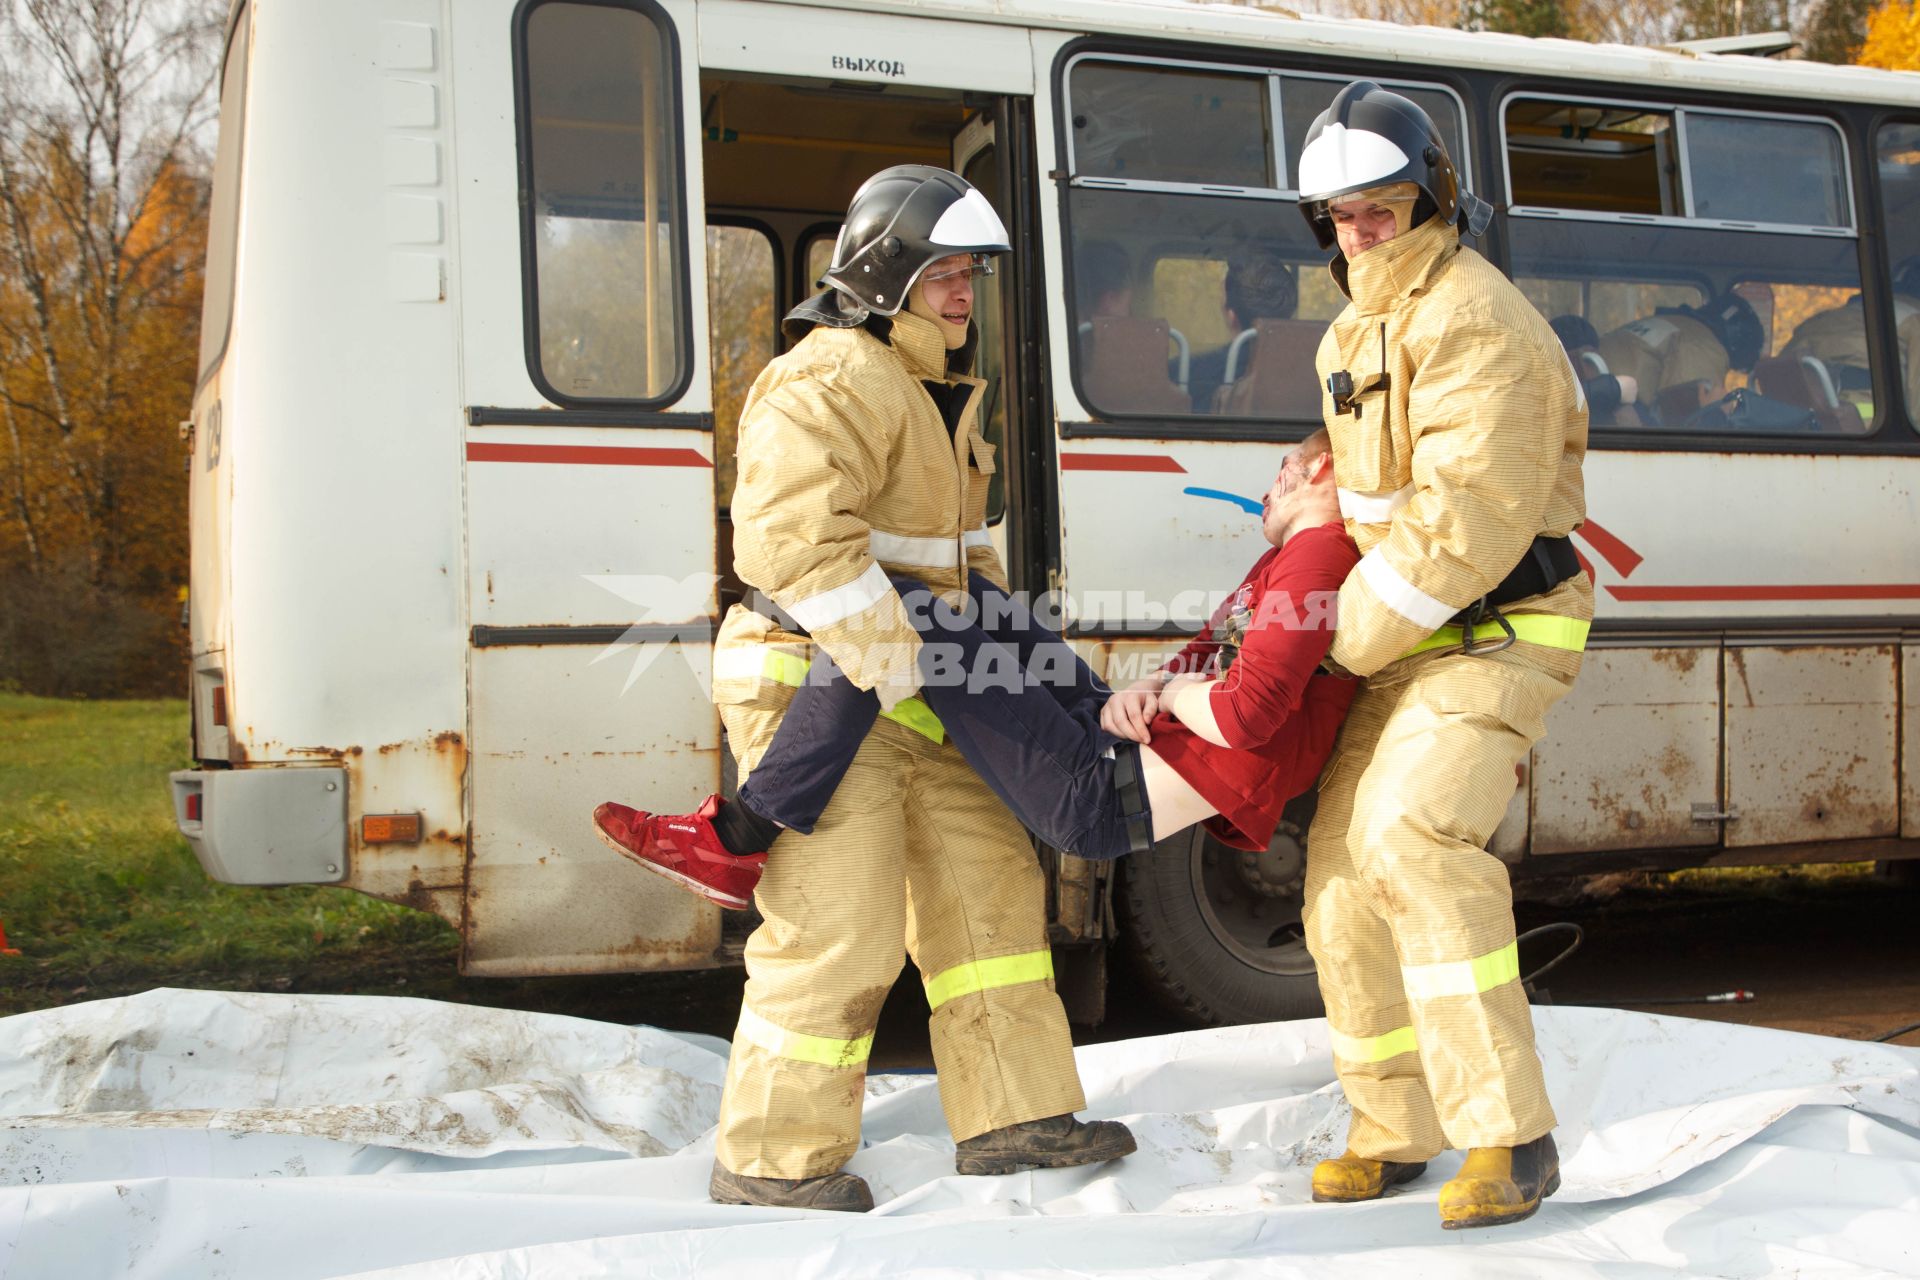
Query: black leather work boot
[843,1192]
[1057,1142]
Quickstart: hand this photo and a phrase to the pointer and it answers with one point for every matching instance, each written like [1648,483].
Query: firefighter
[850,448]
[1838,339]
[1458,431]
[1680,356]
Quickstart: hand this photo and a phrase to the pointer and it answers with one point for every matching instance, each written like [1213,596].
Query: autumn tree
[1834,29]
[1518,17]
[105,114]
[1893,37]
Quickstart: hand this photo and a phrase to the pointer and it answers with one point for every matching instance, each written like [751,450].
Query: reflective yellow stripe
[1462,977]
[800,1047]
[1001,971]
[1535,628]
[1373,1048]
[791,669]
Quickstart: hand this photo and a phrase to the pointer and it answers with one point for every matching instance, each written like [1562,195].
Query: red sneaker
[683,847]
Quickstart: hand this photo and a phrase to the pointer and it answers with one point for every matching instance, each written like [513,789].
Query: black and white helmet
[1369,137]
[901,220]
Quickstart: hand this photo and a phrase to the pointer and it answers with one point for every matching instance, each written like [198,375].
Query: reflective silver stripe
[1373,508]
[976,538]
[922,553]
[1401,596]
[841,603]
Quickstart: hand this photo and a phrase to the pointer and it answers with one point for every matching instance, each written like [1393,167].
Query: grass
[101,895]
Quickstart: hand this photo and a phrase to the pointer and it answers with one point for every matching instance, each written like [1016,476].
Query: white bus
[487,279]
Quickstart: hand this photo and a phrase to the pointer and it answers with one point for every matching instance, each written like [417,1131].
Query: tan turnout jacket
[846,472]
[1665,351]
[1839,337]
[1471,449]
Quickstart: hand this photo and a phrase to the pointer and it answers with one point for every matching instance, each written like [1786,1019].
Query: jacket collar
[1398,269]
[920,345]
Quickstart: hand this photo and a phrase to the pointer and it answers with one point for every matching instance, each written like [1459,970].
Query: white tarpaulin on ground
[206,1134]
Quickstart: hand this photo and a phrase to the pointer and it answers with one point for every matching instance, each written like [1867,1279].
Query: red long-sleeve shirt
[1278,711]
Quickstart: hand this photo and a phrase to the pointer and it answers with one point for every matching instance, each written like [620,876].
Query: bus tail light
[390,828]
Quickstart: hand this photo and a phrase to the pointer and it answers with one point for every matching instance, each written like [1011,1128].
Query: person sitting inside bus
[1232,728]
[1259,285]
[1838,339]
[1605,390]
[1679,356]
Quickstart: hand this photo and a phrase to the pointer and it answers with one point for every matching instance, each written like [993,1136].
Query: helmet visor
[948,270]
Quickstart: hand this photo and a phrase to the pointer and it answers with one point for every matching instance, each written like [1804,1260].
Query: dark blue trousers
[1016,700]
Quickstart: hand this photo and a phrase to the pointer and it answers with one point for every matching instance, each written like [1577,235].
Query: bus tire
[1214,933]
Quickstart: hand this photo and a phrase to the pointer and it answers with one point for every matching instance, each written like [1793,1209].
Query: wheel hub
[1279,870]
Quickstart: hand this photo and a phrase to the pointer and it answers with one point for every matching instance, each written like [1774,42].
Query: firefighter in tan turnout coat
[1458,431]
[860,454]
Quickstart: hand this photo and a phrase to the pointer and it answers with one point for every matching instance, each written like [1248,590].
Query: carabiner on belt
[1483,610]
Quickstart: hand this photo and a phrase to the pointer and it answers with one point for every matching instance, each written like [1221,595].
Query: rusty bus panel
[556,730]
[427,777]
[1630,752]
[1910,742]
[1812,740]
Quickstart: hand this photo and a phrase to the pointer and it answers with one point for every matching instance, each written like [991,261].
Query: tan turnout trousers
[914,856]
[1410,919]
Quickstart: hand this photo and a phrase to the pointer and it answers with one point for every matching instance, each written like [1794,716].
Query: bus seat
[1802,383]
[1124,366]
[1280,380]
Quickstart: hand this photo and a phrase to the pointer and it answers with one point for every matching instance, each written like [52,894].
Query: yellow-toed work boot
[1500,1184]
[1350,1178]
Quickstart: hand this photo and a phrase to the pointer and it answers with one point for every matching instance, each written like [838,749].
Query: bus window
[1303,98]
[1753,169]
[1143,122]
[1604,158]
[741,325]
[605,234]
[1198,290]
[1731,306]
[223,218]
[1898,148]
[817,253]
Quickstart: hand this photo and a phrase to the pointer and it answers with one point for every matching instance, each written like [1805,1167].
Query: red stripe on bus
[1818,591]
[586,454]
[1120,462]
[1622,557]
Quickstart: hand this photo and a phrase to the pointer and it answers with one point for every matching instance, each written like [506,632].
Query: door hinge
[1708,811]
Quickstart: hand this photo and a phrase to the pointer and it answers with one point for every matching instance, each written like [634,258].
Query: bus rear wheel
[1215,933]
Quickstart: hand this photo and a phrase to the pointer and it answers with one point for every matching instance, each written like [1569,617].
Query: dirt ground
[1837,957]
[1834,955]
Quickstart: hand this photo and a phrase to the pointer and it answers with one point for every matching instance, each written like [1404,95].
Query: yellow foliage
[1893,37]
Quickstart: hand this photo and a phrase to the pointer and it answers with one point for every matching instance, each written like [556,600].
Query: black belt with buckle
[1547,563]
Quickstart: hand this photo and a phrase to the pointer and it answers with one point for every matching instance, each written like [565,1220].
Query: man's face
[944,294]
[1359,225]
[1278,510]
